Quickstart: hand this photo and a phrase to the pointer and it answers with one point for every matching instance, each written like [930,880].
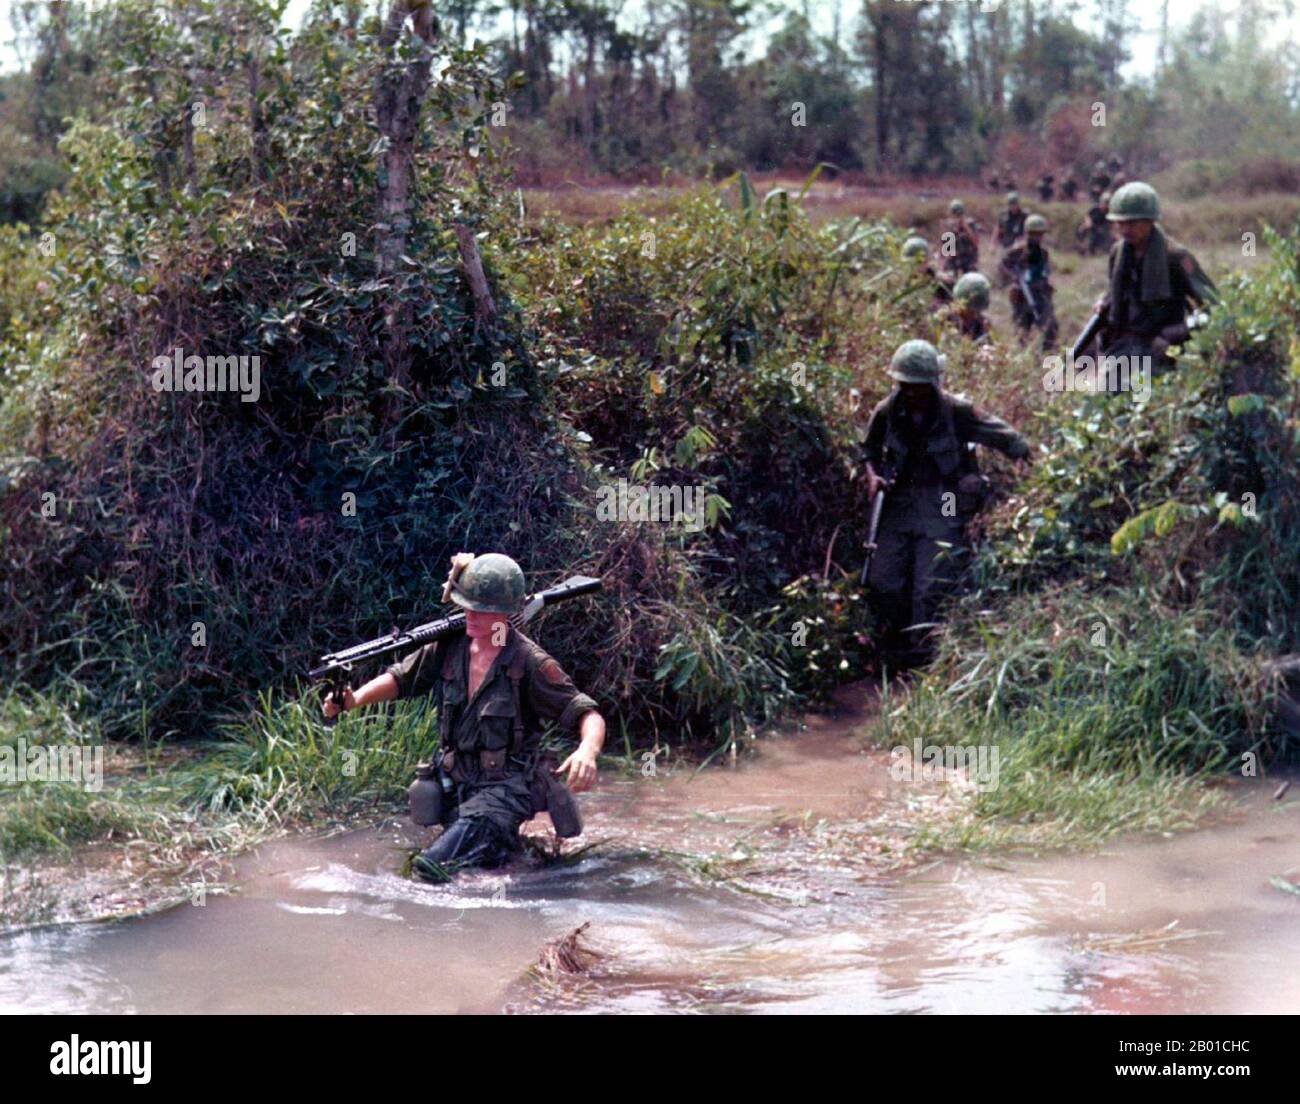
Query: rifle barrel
[400,641]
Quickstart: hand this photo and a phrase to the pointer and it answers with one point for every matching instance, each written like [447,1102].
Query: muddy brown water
[768,886]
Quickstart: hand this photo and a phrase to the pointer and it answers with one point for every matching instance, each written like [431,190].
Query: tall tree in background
[400,89]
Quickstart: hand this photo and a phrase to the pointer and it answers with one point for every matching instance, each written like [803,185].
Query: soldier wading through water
[920,448]
[494,689]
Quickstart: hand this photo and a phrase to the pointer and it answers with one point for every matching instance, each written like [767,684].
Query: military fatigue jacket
[1011,224]
[1148,299]
[523,689]
[927,462]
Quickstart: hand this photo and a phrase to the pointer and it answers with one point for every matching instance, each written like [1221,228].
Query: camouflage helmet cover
[1012,199]
[915,248]
[491,583]
[1134,201]
[973,290]
[916,362]
[1035,224]
[957,207]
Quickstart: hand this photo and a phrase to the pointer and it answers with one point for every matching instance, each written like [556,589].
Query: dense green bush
[200,549]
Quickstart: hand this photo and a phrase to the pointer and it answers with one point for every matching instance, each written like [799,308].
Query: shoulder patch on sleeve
[552,672]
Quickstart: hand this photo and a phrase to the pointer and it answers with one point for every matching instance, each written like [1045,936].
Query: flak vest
[951,458]
[495,722]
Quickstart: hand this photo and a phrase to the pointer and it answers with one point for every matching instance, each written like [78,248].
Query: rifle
[336,667]
[876,504]
[1028,289]
[1090,331]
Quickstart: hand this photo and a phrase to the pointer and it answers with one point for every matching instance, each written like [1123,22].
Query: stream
[771,885]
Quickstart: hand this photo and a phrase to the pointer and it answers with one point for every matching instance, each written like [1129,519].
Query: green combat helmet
[915,249]
[1035,224]
[1013,199]
[492,583]
[972,291]
[916,362]
[1134,201]
[956,207]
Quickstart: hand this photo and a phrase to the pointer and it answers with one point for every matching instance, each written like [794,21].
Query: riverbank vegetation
[174,560]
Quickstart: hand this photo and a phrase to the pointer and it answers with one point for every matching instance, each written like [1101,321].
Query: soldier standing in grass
[1154,282]
[1011,224]
[964,255]
[919,448]
[494,690]
[1027,268]
[916,254]
[1096,229]
[1116,167]
[971,299]
[1099,181]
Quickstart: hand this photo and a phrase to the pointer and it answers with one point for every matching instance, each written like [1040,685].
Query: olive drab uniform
[1150,298]
[1011,224]
[937,488]
[1035,308]
[490,743]
[965,255]
[970,300]
[974,326]
[939,284]
[1097,229]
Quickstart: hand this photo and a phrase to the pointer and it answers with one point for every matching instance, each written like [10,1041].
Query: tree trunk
[399,91]
[257,125]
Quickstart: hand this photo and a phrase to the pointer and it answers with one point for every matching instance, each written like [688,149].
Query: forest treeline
[932,87]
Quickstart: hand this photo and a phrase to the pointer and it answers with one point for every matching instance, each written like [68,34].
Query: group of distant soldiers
[920,441]
[1104,179]
[1024,267]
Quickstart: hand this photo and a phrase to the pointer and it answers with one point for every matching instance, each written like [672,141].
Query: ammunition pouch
[492,762]
[973,491]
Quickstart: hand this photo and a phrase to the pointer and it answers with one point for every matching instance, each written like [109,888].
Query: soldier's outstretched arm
[981,428]
[1201,287]
[554,697]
